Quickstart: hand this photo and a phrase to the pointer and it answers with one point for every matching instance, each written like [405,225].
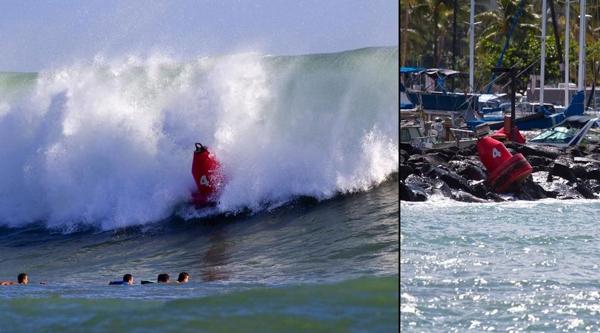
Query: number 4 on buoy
[496,153]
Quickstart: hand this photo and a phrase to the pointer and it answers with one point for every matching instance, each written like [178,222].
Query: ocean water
[510,267]
[95,180]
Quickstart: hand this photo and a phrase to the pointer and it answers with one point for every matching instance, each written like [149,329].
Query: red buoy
[502,134]
[503,168]
[206,172]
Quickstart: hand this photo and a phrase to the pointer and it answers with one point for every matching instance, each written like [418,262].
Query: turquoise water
[514,266]
[361,305]
[329,266]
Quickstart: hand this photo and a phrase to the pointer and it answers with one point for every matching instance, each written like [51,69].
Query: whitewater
[108,143]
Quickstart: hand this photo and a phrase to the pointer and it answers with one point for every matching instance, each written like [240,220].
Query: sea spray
[110,143]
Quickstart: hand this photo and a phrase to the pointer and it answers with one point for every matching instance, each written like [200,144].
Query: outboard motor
[206,172]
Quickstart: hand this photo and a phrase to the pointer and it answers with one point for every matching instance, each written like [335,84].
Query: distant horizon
[44,35]
[184,59]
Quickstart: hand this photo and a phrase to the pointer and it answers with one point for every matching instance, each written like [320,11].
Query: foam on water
[110,143]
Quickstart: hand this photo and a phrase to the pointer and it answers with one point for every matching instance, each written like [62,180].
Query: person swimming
[184,277]
[127,280]
[163,278]
[22,278]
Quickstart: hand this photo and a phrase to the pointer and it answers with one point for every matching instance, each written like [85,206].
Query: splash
[110,143]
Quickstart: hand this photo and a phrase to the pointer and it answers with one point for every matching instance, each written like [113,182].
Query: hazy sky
[35,35]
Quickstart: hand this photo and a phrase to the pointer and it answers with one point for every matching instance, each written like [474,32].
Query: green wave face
[366,304]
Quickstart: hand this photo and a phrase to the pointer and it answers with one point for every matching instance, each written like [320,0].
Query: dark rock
[410,149]
[494,196]
[433,160]
[579,171]
[466,197]
[467,151]
[405,170]
[585,191]
[592,184]
[534,150]
[479,189]
[449,177]
[539,161]
[426,184]
[530,190]
[561,168]
[593,173]
[467,169]
[441,188]
[441,155]
[411,192]
[575,151]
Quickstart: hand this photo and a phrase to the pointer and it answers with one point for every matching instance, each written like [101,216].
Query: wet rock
[444,154]
[431,159]
[585,191]
[479,188]
[411,192]
[410,149]
[575,152]
[449,177]
[556,186]
[467,169]
[494,196]
[593,185]
[465,197]
[535,150]
[405,171]
[423,183]
[562,168]
[441,188]
[531,190]
[579,170]
[539,161]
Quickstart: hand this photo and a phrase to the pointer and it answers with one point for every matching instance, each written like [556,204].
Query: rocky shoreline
[459,174]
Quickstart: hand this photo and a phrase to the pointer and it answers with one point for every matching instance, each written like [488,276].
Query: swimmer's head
[128,278]
[163,278]
[23,278]
[184,277]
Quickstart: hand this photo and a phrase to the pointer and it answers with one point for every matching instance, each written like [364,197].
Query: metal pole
[543,56]
[472,46]
[513,88]
[581,72]
[454,35]
[567,44]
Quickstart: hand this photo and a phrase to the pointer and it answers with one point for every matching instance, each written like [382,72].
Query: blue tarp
[406,70]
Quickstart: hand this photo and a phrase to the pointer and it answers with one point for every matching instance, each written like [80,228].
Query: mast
[471,45]
[581,72]
[455,14]
[543,56]
[567,37]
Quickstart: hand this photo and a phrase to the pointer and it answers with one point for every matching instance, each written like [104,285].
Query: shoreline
[458,174]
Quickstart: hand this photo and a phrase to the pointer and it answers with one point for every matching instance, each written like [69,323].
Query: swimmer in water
[127,280]
[184,277]
[21,279]
[163,278]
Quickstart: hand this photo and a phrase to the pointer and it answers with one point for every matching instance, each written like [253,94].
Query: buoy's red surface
[206,172]
[502,134]
[503,168]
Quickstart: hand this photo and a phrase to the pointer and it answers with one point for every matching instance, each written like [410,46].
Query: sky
[45,34]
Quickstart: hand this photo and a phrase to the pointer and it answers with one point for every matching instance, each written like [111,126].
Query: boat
[415,134]
[568,133]
[433,95]
[538,120]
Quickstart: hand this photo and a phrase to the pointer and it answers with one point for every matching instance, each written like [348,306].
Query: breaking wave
[110,142]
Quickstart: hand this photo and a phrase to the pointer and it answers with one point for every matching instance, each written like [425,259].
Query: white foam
[111,143]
